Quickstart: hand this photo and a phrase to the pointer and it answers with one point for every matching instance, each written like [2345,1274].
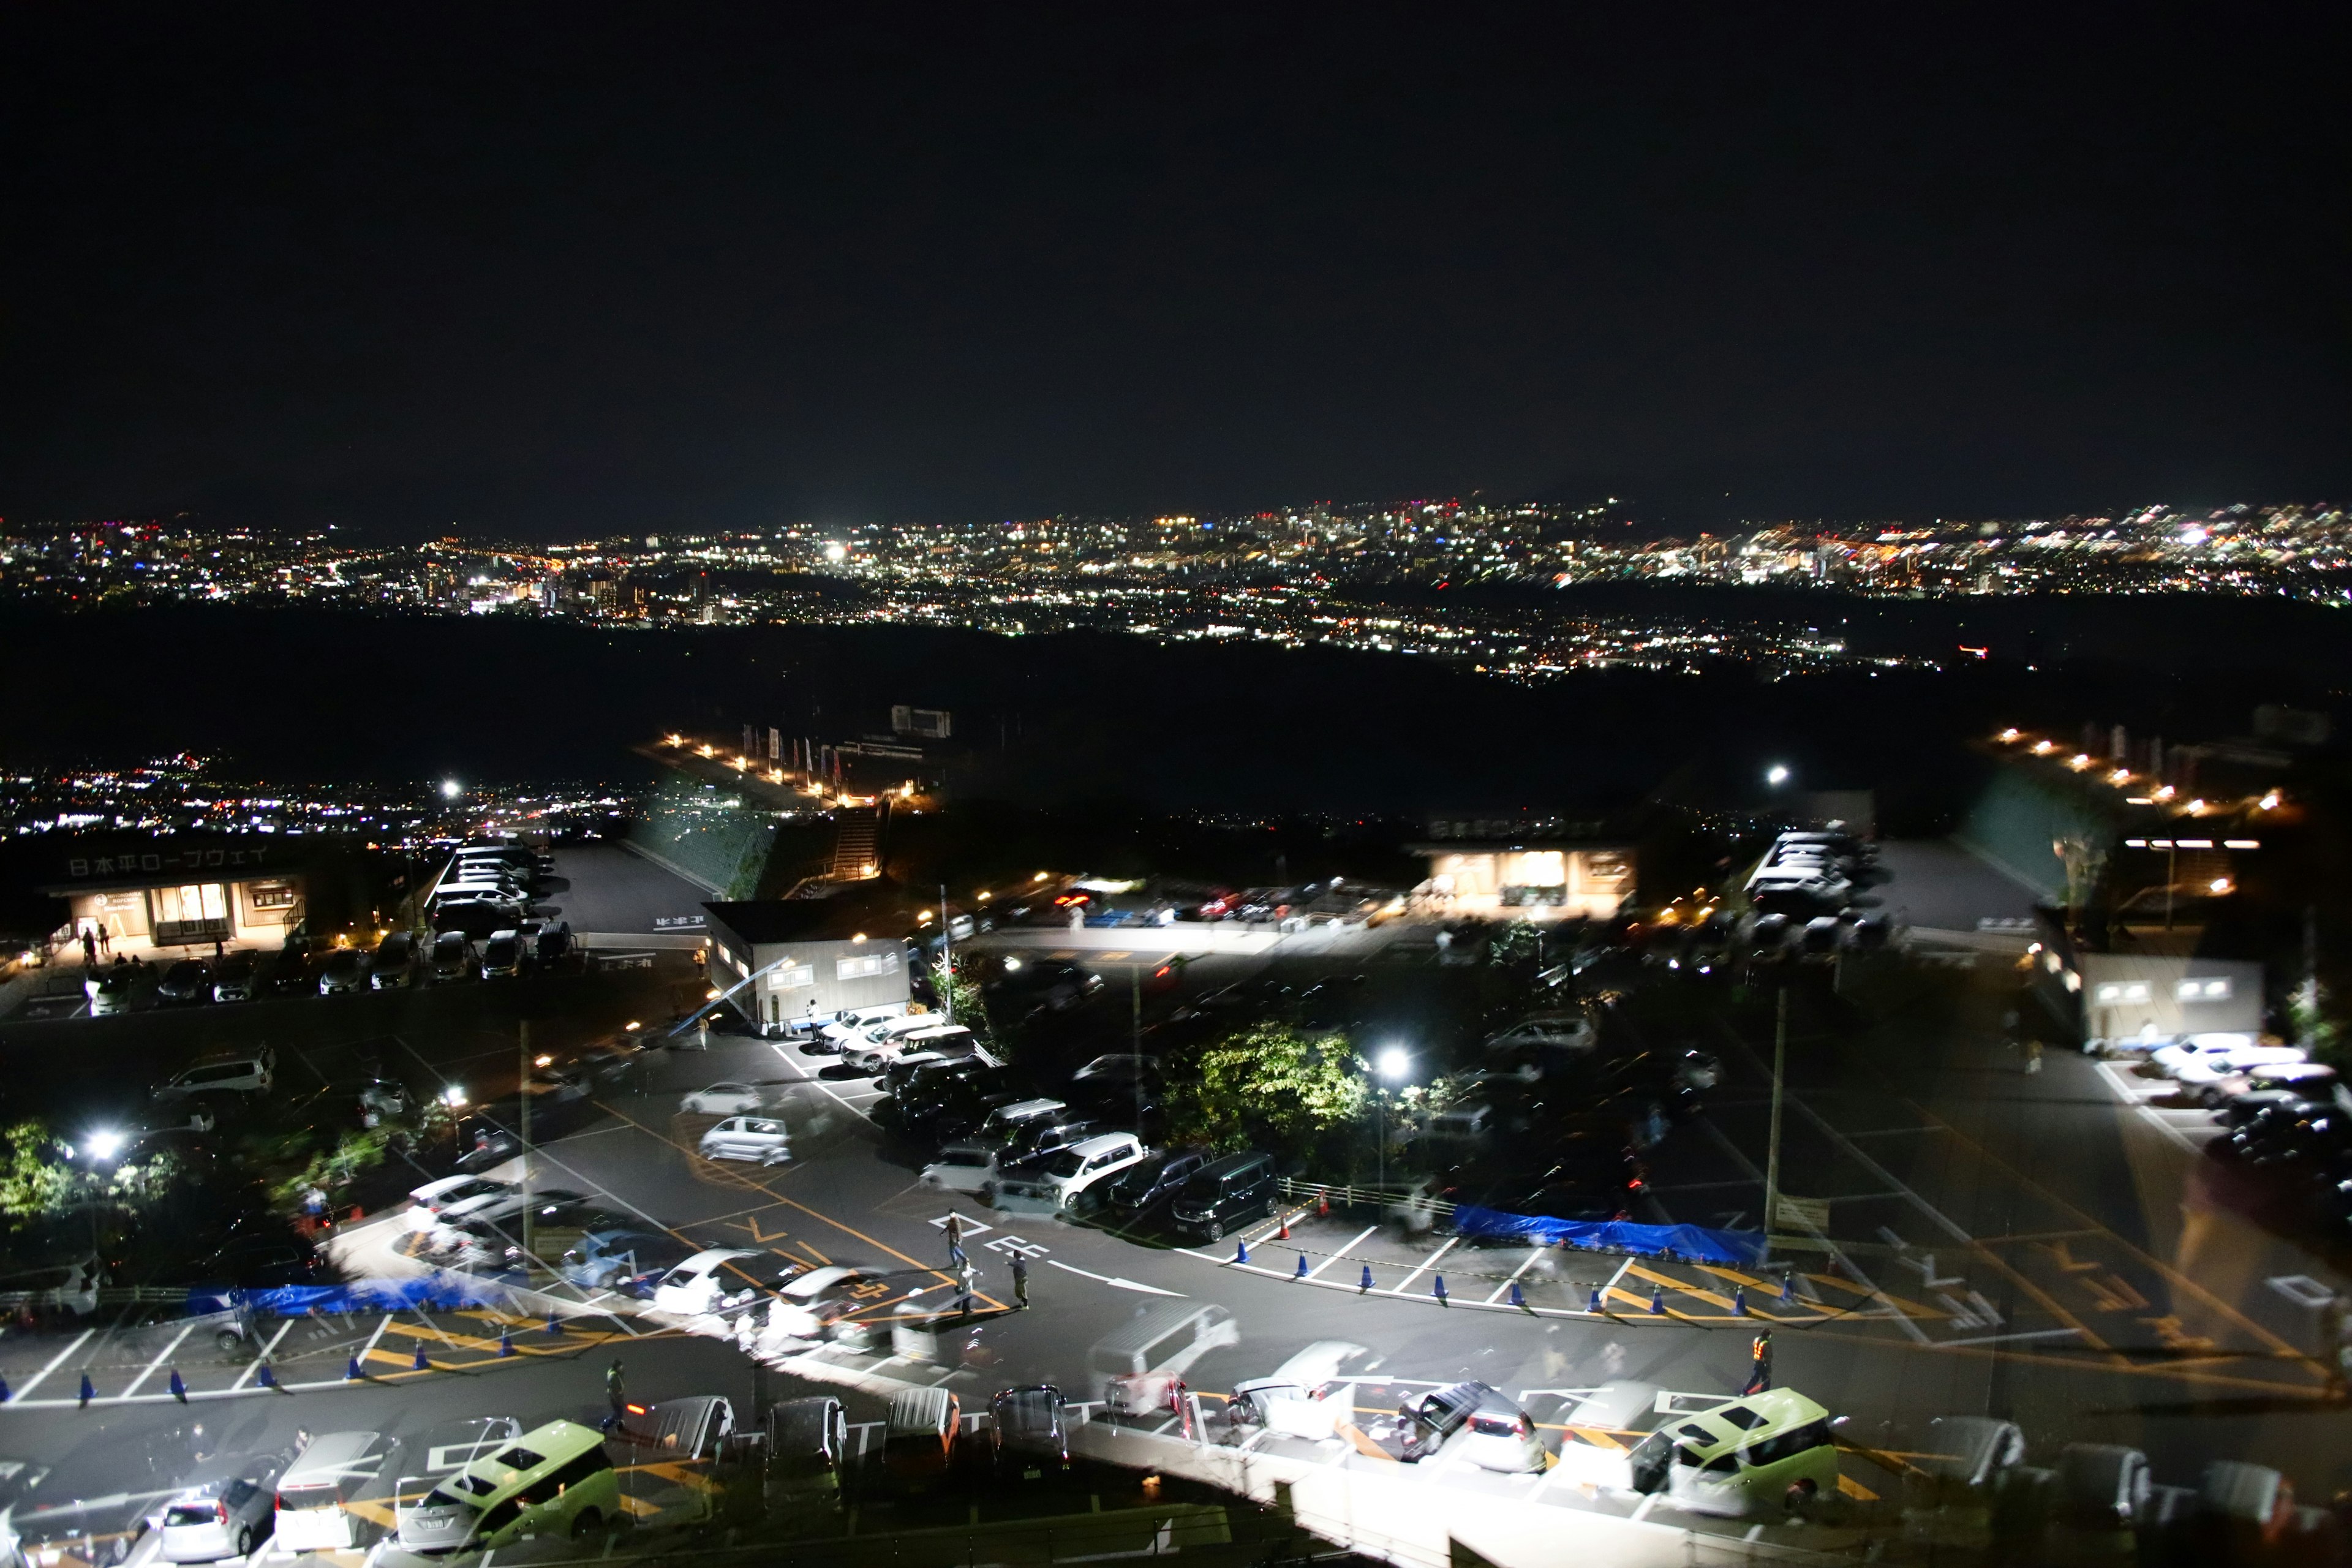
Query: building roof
[764,921]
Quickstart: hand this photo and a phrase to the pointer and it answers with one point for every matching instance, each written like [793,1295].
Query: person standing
[955,1240]
[1759,1353]
[88,945]
[1021,1281]
[615,1395]
[105,937]
[965,1274]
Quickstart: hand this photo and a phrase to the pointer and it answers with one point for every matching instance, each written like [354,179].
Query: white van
[696,1285]
[1165,1339]
[316,1493]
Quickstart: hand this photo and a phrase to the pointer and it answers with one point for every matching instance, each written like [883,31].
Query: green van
[1763,1454]
[555,1479]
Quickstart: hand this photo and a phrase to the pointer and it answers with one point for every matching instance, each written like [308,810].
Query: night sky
[560,271]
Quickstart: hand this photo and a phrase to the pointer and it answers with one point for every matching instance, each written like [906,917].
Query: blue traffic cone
[1657,1300]
[1592,1302]
[1739,1301]
[417,1362]
[1788,1287]
[88,1393]
[1368,1277]
[1240,1251]
[1302,1267]
[266,1378]
[4,1391]
[553,1328]
[506,1341]
[352,1369]
[1438,1290]
[179,1387]
[1519,1297]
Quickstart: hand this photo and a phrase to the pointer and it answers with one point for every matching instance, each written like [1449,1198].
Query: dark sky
[561,270]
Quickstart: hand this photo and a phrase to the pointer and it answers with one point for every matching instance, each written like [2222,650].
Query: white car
[843,1028]
[1064,1177]
[724,1100]
[697,1284]
[962,1168]
[760,1138]
[438,1203]
[2203,1058]
[940,1039]
[223,1519]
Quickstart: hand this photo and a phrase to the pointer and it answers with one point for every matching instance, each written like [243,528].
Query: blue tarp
[441,1292]
[1617,1236]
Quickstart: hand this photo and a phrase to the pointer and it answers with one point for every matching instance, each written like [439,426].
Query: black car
[1224,1192]
[1045,1136]
[1030,985]
[236,978]
[1154,1181]
[1027,1430]
[186,981]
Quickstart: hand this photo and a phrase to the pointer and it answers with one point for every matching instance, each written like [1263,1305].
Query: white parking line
[809,1077]
[264,1356]
[55,1361]
[2147,1113]
[1451,1243]
[161,1357]
[361,1357]
[1342,1252]
[1522,1268]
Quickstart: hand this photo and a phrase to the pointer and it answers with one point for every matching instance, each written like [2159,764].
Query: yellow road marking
[1855,1488]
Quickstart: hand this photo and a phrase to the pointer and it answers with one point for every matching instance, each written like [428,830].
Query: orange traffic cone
[1283,1235]
[1322,1205]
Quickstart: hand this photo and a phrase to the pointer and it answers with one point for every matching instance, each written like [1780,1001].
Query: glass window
[792,976]
[865,965]
[273,895]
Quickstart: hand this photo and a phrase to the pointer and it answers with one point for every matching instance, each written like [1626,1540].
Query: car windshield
[442,1497]
[1068,1163]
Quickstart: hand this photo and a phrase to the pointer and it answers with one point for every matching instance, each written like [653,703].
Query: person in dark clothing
[1021,1281]
[1759,1376]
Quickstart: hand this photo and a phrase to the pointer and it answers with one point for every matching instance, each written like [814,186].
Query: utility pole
[1772,1146]
[947,959]
[523,1095]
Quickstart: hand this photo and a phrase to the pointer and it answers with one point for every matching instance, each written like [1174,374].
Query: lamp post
[101,1148]
[1392,1064]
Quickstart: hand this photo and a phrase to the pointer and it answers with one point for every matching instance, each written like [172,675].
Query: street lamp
[1776,774]
[448,789]
[1392,1065]
[103,1145]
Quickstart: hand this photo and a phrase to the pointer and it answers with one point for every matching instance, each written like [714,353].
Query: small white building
[817,955]
[2148,999]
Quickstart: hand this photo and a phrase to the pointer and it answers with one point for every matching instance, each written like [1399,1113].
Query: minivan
[315,1494]
[1164,1340]
[396,962]
[502,955]
[554,1480]
[808,1446]
[452,956]
[918,1439]
[1226,1193]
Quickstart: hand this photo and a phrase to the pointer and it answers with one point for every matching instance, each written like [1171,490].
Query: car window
[768,1127]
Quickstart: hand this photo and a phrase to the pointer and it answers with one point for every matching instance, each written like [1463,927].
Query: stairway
[853,841]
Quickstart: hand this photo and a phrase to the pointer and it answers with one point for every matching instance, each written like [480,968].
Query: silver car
[221,1519]
[1480,1424]
[761,1138]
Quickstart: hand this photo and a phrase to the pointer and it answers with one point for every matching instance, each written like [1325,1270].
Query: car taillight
[220,1509]
[282,1503]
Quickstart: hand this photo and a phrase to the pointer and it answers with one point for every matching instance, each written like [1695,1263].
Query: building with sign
[811,958]
[162,899]
[1526,867]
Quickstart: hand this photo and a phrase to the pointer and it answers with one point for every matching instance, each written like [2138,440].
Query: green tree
[41,1180]
[962,997]
[1267,1084]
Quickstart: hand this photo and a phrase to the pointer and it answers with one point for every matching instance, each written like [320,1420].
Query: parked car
[234,979]
[382,1101]
[333,1471]
[758,1138]
[396,962]
[918,1438]
[1026,1430]
[2207,1058]
[109,989]
[221,1519]
[1749,1456]
[1139,1186]
[808,1449]
[344,970]
[724,1100]
[556,1480]
[1494,1433]
[1030,1146]
[503,955]
[452,958]
[423,1519]
[1224,1192]
[186,981]
[1067,1179]
[1029,985]
[697,1284]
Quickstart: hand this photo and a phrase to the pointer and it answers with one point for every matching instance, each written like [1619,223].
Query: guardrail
[108,1296]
